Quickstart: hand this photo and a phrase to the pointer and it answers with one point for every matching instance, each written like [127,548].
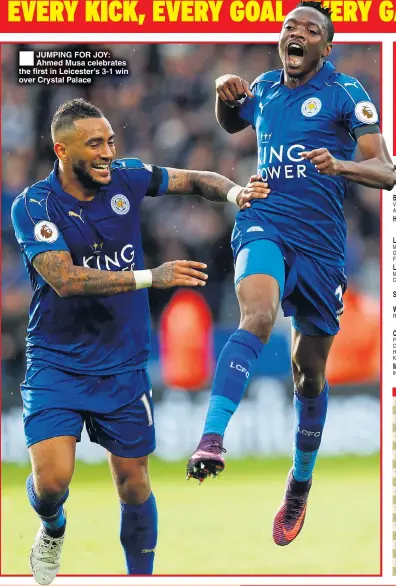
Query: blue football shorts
[117,410]
[310,291]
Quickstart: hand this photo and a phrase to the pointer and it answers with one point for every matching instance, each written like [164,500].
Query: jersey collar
[322,76]
[57,188]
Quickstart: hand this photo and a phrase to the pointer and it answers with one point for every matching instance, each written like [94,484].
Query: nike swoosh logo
[290,534]
[148,551]
[354,84]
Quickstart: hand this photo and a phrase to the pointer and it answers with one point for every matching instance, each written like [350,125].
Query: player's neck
[71,185]
[295,82]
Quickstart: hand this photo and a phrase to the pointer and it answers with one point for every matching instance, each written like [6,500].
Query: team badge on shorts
[120,204]
[46,232]
[311,107]
[366,112]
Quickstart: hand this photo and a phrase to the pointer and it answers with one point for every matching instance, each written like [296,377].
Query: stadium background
[163,113]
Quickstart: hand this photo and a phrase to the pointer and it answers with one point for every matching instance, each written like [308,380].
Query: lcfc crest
[311,107]
[120,204]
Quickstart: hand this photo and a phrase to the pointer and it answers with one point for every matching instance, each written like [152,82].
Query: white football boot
[45,557]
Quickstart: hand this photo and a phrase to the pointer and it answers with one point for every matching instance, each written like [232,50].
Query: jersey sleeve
[248,107]
[246,110]
[143,180]
[358,111]
[34,231]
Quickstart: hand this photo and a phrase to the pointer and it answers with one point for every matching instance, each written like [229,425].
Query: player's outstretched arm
[375,171]
[68,280]
[215,187]
[231,88]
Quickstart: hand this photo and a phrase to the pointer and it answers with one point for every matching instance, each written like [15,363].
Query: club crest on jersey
[46,232]
[265,137]
[366,112]
[311,107]
[97,247]
[120,204]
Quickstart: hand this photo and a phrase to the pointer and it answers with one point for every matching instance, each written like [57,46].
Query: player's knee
[308,381]
[259,323]
[51,487]
[133,491]
[133,483]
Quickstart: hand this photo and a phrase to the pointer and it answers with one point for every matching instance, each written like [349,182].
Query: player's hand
[255,189]
[232,88]
[323,160]
[179,273]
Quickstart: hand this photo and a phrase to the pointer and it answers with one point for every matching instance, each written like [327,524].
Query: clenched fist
[231,88]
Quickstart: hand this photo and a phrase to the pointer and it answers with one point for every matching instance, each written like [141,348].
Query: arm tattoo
[58,270]
[209,185]
[178,182]
[52,267]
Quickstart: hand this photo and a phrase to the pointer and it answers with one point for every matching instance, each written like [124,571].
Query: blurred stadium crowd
[163,113]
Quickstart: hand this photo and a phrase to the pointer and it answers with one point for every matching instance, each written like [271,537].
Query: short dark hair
[71,111]
[326,13]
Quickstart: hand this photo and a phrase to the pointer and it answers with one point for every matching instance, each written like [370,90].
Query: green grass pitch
[221,527]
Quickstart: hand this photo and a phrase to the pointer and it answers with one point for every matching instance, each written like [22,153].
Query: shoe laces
[294,505]
[215,447]
[48,548]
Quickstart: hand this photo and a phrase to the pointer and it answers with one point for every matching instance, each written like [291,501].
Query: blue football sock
[232,376]
[139,531]
[310,420]
[51,513]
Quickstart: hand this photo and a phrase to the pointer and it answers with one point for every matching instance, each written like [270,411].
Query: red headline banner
[183,16]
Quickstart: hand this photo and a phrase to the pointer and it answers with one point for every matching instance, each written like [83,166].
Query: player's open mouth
[102,169]
[295,54]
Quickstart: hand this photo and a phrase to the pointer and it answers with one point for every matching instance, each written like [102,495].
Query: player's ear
[327,50]
[60,151]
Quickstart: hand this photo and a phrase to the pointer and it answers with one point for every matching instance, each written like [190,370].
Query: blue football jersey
[88,334]
[330,111]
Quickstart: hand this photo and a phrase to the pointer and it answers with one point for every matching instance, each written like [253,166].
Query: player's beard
[84,177]
[296,78]
[311,66]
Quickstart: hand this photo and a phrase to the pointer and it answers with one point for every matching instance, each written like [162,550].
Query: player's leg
[311,391]
[48,484]
[139,517]
[127,432]
[319,306]
[259,279]
[48,488]
[51,428]
[309,357]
